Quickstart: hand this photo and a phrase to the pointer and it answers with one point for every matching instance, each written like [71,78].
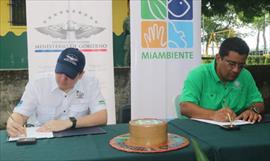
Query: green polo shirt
[204,88]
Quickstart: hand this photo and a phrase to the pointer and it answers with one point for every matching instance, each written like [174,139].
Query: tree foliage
[249,9]
[216,28]
[223,15]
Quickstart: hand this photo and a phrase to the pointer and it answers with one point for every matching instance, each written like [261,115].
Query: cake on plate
[147,133]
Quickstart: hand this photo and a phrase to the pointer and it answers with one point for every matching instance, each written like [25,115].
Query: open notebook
[31,132]
[235,122]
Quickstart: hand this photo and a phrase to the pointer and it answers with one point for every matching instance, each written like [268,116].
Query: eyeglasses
[234,64]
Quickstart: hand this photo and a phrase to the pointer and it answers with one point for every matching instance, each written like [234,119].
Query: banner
[165,45]
[55,25]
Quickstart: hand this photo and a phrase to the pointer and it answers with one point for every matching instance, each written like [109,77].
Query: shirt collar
[54,84]
[213,71]
[77,87]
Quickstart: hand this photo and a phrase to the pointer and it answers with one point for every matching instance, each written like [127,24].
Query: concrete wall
[11,88]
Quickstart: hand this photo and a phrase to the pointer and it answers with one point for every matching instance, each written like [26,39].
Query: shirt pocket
[209,100]
[79,109]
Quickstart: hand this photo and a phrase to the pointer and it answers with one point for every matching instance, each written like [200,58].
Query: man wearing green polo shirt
[224,88]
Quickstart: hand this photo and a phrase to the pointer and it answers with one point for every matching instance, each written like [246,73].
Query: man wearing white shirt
[66,99]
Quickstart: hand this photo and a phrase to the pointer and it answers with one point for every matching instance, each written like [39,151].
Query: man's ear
[218,57]
[81,74]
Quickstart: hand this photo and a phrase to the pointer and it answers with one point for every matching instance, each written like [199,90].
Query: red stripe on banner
[93,50]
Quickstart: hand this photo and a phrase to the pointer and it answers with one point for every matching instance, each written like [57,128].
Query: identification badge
[79,94]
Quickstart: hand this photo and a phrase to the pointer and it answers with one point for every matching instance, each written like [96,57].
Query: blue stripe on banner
[43,51]
[82,50]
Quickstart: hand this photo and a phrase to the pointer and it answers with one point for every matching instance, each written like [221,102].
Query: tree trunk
[258,41]
[207,44]
[264,37]
[264,41]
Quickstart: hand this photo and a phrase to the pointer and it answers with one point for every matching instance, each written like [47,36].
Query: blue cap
[70,62]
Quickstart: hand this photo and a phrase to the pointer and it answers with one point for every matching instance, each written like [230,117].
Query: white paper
[31,132]
[235,122]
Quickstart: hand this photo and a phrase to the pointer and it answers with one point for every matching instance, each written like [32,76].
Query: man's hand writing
[222,115]
[15,129]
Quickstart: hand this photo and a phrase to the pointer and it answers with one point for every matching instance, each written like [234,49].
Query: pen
[230,119]
[10,115]
[229,116]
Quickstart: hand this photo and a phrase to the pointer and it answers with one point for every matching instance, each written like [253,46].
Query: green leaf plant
[200,155]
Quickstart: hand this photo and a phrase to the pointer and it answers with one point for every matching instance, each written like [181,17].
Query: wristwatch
[255,109]
[74,122]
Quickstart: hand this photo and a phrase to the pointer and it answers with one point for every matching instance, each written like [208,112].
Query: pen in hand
[24,127]
[228,115]
[230,119]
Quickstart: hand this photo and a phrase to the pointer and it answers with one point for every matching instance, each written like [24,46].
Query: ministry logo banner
[165,45]
[53,26]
